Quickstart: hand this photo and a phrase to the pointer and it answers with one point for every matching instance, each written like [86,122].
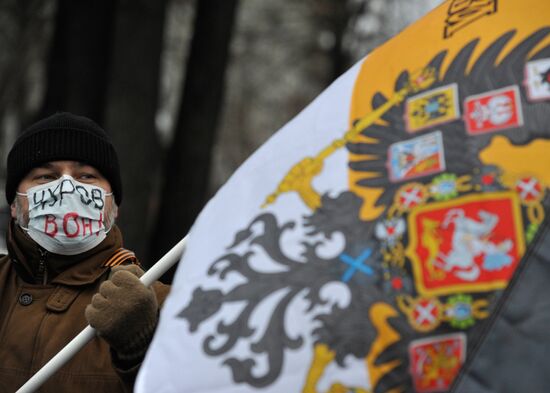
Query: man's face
[52,171]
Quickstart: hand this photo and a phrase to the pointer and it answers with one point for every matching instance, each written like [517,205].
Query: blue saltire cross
[356,264]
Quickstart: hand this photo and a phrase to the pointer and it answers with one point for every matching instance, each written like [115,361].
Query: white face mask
[65,216]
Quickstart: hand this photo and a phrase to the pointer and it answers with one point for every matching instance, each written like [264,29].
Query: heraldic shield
[404,262]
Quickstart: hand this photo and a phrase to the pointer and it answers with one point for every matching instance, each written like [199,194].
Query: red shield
[468,244]
[435,361]
[494,110]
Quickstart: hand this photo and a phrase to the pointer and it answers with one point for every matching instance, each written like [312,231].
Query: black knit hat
[63,136]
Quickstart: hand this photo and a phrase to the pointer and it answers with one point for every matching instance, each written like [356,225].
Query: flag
[365,246]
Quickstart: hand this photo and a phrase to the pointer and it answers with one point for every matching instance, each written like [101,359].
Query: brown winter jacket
[37,320]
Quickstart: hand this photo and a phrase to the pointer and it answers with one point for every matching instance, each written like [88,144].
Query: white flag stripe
[174,360]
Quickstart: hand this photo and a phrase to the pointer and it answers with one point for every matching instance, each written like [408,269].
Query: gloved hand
[125,313]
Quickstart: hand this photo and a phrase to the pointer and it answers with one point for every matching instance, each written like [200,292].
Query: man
[66,266]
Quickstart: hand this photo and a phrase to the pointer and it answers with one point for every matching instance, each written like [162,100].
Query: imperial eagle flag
[369,244]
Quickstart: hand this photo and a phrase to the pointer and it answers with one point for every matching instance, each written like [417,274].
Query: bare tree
[332,18]
[79,58]
[25,31]
[24,38]
[188,161]
[131,109]
[280,62]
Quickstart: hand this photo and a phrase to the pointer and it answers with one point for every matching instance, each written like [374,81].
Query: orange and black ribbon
[121,256]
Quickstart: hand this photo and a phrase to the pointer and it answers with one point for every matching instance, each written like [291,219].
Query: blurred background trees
[187,88]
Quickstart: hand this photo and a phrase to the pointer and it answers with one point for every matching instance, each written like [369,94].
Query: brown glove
[125,313]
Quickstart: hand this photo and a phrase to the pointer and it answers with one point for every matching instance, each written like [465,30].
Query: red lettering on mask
[66,219]
[86,224]
[50,223]
[100,222]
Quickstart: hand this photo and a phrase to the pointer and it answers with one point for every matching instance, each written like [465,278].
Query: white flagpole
[63,356]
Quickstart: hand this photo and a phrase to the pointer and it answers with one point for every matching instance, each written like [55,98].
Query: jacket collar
[78,269]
